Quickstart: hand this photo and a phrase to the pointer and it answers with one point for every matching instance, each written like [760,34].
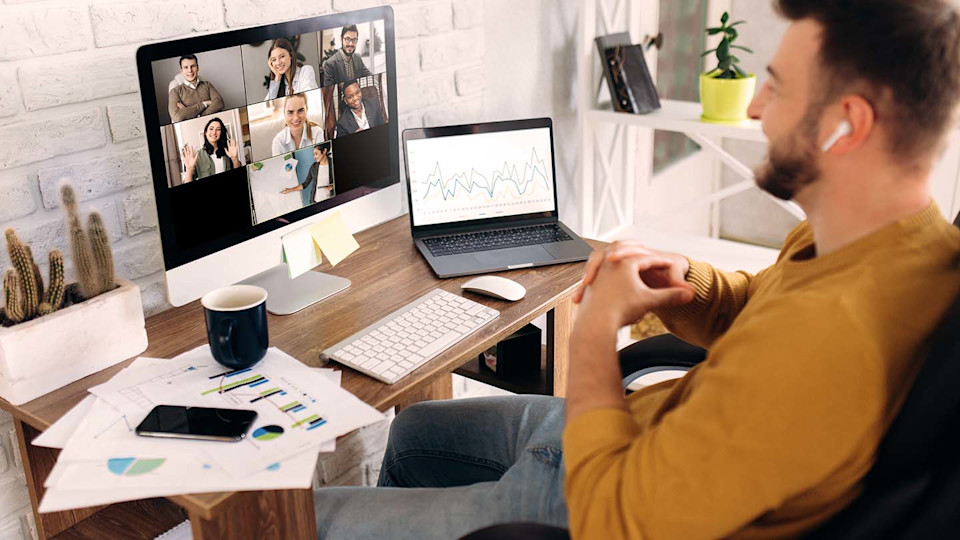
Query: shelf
[536,384]
[682,117]
[148,518]
[722,254]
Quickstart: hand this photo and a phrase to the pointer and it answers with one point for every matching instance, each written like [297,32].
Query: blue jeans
[453,467]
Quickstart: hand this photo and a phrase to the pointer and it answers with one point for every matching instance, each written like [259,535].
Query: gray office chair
[913,489]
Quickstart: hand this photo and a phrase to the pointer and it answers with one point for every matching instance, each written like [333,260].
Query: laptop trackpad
[513,256]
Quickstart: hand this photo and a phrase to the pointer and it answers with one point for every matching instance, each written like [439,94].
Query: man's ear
[861,116]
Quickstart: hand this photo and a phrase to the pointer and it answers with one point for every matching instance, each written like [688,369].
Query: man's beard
[793,165]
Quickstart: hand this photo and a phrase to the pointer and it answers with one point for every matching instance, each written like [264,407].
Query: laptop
[483,198]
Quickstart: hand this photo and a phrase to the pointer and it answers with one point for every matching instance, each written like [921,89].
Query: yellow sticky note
[334,239]
[300,253]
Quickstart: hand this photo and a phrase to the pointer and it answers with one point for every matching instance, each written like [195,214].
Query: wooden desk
[387,273]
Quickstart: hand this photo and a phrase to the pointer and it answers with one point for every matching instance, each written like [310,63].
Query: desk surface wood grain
[387,272]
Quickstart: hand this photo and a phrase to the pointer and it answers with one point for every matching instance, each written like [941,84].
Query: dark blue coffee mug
[237,325]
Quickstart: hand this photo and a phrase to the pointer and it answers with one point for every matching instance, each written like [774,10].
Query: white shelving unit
[681,117]
[611,173]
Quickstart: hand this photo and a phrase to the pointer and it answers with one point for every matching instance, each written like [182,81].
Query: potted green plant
[726,90]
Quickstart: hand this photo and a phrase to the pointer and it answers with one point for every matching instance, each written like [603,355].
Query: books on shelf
[628,77]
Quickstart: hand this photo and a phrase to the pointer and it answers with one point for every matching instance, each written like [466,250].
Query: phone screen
[196,423]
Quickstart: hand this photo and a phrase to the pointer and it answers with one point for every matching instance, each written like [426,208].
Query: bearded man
[808,361]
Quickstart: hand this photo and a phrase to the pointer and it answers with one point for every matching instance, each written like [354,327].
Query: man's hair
[901,55]
[351,28]
[189,57]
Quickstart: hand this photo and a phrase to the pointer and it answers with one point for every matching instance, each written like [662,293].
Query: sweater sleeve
[216,101]
[176,113]
[719,299]
[774,412]
[188,112]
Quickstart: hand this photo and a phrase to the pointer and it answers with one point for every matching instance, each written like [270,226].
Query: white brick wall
[14,498]
[69,108]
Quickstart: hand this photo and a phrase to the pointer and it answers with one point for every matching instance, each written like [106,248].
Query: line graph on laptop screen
[480,176]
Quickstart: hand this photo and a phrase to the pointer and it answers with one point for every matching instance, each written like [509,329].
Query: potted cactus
[726,90]
[54,334]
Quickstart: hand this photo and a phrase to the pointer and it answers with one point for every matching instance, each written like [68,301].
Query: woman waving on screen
[219,153]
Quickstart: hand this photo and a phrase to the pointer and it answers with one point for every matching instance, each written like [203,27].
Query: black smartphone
[196,423]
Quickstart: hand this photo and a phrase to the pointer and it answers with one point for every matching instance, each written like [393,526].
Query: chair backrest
[913,488]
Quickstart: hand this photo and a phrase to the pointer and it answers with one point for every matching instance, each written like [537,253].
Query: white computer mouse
[496,286]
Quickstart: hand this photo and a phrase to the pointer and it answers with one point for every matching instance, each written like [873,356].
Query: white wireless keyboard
[401,342]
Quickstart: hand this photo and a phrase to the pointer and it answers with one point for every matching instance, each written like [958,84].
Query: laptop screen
[480,176]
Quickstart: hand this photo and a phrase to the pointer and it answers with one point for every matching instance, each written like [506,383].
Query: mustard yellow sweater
[808,362]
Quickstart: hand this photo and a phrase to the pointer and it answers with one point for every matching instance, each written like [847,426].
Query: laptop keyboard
[496,239]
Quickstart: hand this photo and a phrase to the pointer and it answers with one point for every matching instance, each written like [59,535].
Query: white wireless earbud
[842,131]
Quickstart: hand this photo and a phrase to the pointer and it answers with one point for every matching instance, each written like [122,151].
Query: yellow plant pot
[726,100]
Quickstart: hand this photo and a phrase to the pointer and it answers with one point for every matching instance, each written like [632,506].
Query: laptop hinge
[446,231]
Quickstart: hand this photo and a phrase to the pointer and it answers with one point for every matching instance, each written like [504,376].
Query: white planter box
[50,352]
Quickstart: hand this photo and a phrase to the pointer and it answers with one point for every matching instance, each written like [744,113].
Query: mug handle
[226,339]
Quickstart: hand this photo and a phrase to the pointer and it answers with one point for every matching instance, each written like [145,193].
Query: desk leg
[37,464]
[559,325]
[264,515]
[439,388]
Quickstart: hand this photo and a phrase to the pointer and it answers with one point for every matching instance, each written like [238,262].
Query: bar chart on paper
[480,176]
[245,387]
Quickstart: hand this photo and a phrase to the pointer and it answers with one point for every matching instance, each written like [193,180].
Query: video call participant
[318,179]
[344,65]
[217,155]
[287,77]
[300,131]
[360,114]
[193,97]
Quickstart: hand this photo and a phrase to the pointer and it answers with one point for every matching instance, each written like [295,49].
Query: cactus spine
[91,254]
[102,256]
[11,292]
[36,275]
[23,266]
[54,296]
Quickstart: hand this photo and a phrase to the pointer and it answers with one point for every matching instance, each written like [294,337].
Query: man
[808,360]
[345,66]
[193,97]
[361,113]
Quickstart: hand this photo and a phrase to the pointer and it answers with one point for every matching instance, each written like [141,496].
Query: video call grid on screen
[451,181]
[228,128]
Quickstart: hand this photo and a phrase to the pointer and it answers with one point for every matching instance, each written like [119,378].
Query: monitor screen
[476,176]
[252,130]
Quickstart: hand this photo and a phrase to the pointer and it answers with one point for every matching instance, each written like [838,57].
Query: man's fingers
[644,263]
[672,296]
[622,252]
[589,274]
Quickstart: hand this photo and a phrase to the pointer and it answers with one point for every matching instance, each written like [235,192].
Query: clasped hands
[627,280]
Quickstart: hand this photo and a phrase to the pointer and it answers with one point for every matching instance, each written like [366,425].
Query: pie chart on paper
[267,433]
[133,466]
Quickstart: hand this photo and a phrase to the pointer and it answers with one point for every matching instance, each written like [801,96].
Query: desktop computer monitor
[256,133]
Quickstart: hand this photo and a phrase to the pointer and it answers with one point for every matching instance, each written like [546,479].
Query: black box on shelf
[518,355]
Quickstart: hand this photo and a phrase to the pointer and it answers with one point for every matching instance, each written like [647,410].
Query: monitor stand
[287,296]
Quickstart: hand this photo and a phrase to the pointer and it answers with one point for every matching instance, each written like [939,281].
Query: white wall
[530,66]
